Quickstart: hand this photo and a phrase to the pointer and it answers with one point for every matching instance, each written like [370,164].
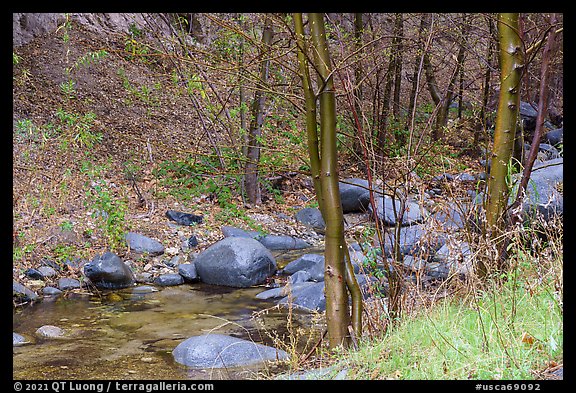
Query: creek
[129,335]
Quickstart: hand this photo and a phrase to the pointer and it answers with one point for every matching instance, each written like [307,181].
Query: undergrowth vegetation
[509,327]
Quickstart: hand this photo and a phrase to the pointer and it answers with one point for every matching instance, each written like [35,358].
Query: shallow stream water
[128,335]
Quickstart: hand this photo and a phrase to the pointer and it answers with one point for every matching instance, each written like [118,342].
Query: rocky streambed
[198,321]
[132,334]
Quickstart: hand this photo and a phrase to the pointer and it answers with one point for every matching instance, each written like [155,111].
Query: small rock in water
[188,272]
[144,289]
[18,339]
[51,291]
[50,331]
[219,351]
[114,297]
[169,279]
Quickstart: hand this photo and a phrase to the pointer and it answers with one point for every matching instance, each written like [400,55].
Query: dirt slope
[61,89]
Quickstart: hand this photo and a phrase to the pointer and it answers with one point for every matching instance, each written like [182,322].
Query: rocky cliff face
[27,26]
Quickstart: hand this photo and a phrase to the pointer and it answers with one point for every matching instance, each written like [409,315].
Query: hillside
[121,140]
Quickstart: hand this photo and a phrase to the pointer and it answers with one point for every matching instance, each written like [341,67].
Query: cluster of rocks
[528,115]
[241,259]
[45,332]
[428,241]
[430,233]
[304,288]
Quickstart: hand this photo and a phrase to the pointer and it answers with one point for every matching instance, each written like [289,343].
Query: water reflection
[121,336]
[130,334]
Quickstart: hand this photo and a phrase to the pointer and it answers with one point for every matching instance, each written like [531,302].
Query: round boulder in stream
[109,272]
[235,262]
[221,351]
[354,195]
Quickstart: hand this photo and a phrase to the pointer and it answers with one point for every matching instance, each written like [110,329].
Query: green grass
[505,333]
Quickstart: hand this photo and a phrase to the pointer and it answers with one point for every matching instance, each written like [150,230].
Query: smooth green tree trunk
[511,66]
[311,122]
[335,273]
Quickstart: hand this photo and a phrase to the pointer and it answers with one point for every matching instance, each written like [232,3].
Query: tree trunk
[483,124]
[398,37]
[255,133]
[442,101]
[385,108]
[243,105]
[337,314]
[311,124]
[414,79]
[512,64]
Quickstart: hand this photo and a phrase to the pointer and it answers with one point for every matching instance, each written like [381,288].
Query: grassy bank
[510,328]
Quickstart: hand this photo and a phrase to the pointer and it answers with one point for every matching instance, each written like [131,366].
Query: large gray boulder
[235,262]
[554,137]
[109,272]
[222,351]
[386,208]
[355,197]
[542,194]
[312,217]
[282,242]
[305,262]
